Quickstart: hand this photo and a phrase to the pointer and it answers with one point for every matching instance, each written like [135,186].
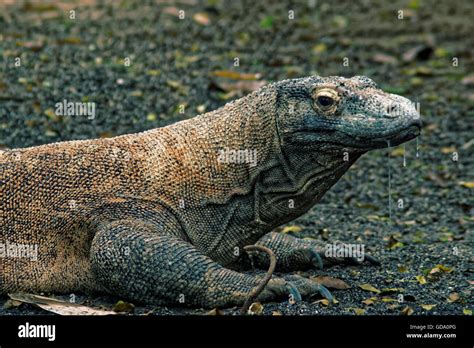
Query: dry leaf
[407,311]
[446,237]
[255,308]
[421,279]
[69,41]
[440,268]
[468,184]
[354,273]
[35,46]
[277,313]
[358,311]
[215,311]
[428,307]
[391,290]
[136,93]
[171,10]
[323,301]
[201,108]
[191,59]
[234,75]
[331,282]
[402,269]
[368,287]
[153,72]
[151,117]
[467,145]
[398,152]
[421,52]
[106,134]
[388,299]
[123,307]
[241,86]
[408,222]
[384,58]
[33,6]
[320,48]
[58,306]
[202,18]
[468,80]
[453,297]
[447,150]
[9,304]
[394,243]
[291,229]
[178,86]
[370,301]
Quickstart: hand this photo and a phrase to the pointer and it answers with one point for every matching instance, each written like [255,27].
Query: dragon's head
[336,112]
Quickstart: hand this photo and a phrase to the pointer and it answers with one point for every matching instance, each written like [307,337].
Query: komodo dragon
[162,216]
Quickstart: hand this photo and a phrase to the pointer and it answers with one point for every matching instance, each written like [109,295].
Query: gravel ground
[426,56]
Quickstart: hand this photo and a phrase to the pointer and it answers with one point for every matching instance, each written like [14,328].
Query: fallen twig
[256,291]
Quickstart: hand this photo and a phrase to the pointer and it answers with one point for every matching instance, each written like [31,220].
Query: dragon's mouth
[397,138]
[393,138]
[344,139]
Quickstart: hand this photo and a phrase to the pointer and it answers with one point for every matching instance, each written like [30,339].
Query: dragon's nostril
[393,109]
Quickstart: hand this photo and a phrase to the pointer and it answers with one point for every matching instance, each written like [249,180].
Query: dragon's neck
[300,181]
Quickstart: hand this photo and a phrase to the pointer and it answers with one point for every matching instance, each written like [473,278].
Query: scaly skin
[161,217]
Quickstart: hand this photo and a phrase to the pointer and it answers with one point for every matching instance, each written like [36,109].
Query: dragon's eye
[326,99]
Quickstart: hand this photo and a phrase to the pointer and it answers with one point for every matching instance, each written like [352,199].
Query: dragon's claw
[325,292]
[294,292]
[316,259]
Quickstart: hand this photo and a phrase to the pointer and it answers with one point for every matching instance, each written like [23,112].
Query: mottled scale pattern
[157,217]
